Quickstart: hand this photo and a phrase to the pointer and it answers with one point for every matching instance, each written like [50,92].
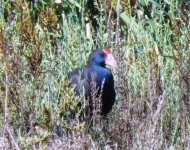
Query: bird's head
[102,57]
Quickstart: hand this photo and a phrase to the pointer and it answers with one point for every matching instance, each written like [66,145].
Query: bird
[95,72]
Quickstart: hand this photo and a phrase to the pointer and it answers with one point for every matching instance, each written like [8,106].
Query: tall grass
[40,43]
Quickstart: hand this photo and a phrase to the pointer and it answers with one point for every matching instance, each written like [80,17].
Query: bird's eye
[102,54]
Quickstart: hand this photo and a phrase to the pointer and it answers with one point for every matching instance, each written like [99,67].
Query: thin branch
[6,97]
[118,24]
[5,104]
[12,138]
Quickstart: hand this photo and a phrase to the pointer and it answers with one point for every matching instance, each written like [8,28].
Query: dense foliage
[41,41]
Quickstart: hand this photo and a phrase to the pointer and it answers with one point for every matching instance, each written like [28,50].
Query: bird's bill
[110,60]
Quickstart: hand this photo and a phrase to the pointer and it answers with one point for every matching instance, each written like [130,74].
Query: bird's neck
[96,64]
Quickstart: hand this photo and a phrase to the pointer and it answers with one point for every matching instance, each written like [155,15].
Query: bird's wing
[80,78]
[74,77]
